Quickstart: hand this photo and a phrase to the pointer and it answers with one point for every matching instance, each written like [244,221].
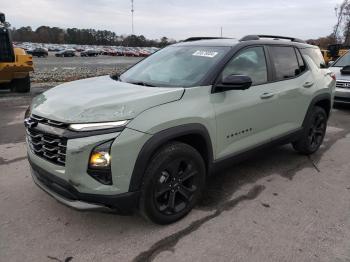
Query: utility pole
[220,31]
[132,16]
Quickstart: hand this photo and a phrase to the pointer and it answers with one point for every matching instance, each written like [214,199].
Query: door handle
[267,95]
[308,84]
[328,73]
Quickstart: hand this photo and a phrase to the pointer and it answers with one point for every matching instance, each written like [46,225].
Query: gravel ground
[276,206]
[62,69]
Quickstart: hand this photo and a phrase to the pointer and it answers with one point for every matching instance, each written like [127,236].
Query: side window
[301,62]
[250,62]
[6,53]
[316,56]
[285,62]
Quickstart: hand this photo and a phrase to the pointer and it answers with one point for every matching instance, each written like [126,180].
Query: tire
[314,132]
[173,183]
[21,85]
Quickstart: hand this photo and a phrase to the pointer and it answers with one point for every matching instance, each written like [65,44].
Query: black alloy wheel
[317,131]
[172,184]
[314,132]
[176,186]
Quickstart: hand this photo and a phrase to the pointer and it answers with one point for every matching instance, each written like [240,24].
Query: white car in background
[341,69]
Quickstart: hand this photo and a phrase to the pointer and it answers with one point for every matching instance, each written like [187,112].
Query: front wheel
[314,132]
[173,183]
[21,85]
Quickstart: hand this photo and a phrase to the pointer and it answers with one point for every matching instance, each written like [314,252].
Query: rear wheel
[21,85]
[173,183]
[314,132]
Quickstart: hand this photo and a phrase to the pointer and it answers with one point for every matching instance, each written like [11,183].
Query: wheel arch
[195,135]
[321,100]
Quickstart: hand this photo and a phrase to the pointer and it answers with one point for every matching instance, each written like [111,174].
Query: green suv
[148,139]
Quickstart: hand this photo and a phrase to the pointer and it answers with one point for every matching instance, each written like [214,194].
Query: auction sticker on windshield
[205,53]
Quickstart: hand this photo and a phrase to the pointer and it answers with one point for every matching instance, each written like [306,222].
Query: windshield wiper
[142,84]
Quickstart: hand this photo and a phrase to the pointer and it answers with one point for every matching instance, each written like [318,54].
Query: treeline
[55,35]
[341,30]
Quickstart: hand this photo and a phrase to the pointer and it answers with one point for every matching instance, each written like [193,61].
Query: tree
[56,35]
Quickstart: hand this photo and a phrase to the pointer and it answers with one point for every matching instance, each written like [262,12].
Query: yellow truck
[334,51]
[15,64]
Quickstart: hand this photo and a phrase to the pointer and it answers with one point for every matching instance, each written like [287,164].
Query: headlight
[100,163]
[97,126]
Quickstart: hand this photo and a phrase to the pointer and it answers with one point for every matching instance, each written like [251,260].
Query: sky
[179,19]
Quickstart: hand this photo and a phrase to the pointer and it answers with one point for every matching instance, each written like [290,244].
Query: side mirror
[233,82]
[330,63]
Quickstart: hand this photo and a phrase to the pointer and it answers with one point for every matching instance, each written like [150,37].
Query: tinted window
[6,53]
[316,56]
[250,62]
[301,63]
[285,62]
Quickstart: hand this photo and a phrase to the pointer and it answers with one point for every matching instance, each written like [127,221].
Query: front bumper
[66,194]
[342,95]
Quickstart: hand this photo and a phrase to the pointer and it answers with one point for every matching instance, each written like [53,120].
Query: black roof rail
[197,38]
[275,37]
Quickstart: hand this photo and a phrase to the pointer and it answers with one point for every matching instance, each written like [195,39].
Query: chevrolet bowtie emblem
[29,123]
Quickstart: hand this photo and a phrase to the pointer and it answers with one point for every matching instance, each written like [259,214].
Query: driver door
[246,118]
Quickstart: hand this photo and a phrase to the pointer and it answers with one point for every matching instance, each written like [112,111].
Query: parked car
[89,52]
[341,68]
[66,53]
[149,138]
[38,52]
[128,51]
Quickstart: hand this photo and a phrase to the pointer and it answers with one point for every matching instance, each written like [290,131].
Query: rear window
[285,62]
[6,49]
[316,56]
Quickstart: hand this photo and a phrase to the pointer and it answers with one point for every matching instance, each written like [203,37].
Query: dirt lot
[276,206]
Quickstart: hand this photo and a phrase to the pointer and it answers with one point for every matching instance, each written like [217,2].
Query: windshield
[175,66]
[343,61]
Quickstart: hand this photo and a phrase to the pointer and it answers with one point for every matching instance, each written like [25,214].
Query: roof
[230,42]
[210,42]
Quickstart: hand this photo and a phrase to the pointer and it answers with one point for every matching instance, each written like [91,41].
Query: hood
[338,74]
[100,99]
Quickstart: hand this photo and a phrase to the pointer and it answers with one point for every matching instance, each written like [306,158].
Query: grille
[49,122]
[47,146]
[343,84]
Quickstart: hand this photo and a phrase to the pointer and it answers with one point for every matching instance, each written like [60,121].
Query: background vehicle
[129,51]
[341,68]
[334,52]
[89,52]
[148,139]
[39,52]
[66,53]
[15,64]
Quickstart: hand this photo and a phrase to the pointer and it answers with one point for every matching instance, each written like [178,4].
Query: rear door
[293,85]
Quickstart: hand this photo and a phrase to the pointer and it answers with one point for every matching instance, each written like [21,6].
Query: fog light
[100,159]
[100,163]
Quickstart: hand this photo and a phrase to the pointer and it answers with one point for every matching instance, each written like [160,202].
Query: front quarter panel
[195,107]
